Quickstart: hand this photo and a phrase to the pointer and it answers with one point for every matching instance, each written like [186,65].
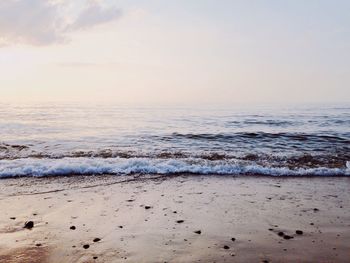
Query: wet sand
[177,219]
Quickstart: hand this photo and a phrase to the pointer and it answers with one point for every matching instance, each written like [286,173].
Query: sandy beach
[176,219]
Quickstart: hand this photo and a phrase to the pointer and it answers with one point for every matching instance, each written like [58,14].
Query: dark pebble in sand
[38,245]
[120,226]
[175,212]
[281,234]
[287,237]
[72,228]
[95,257]
[233,239]
[316,209]
[270,229]
[86,246]
[97,239]
[180,221]
[13,218]
[226,247]
[147,207]
[29,224]
[299,232]
[198,232]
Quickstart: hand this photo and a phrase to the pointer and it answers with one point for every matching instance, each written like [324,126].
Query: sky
[183,52]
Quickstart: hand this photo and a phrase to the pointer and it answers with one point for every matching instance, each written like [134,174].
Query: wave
[344,138]
[122,166]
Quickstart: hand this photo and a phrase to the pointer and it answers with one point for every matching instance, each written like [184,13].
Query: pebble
[29,224]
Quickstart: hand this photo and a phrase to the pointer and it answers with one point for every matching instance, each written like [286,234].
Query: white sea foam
[123,166]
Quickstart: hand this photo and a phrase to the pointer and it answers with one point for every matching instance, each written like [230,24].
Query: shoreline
[139,219]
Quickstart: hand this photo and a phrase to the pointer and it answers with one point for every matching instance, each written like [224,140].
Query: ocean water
[72,139]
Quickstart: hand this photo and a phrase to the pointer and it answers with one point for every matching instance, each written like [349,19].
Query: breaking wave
[123,166]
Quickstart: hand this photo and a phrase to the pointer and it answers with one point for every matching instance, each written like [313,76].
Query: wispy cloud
[94,14]
[40,22]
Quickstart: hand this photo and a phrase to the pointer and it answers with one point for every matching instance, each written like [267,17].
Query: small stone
[281,234]
[198,232]
[86,246]
[95,257]
[147,207]
[299,232]
[226,247]
[72,228]
[97,239]
[233,239]
[13,218]
[38,245]
[120,226]
[287,237]
[180,221]
[29,224]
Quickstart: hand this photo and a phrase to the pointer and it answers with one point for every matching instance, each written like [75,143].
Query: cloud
[44,22]
[95,14]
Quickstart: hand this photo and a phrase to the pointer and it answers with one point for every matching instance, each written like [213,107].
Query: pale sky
[175,52]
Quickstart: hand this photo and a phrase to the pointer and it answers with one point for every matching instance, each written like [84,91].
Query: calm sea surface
[64,139]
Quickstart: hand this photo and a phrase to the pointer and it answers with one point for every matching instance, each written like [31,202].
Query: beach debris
[13,218]
[233,239]
[72,228]
[97,239]
[180,221]
[95,257]
[198,232]
[29,224]
[299,232]
[86,246]
[38,245]
[226,247]
[281,234]
[147,207]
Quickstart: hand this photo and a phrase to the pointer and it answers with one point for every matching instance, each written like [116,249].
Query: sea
[67,139]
